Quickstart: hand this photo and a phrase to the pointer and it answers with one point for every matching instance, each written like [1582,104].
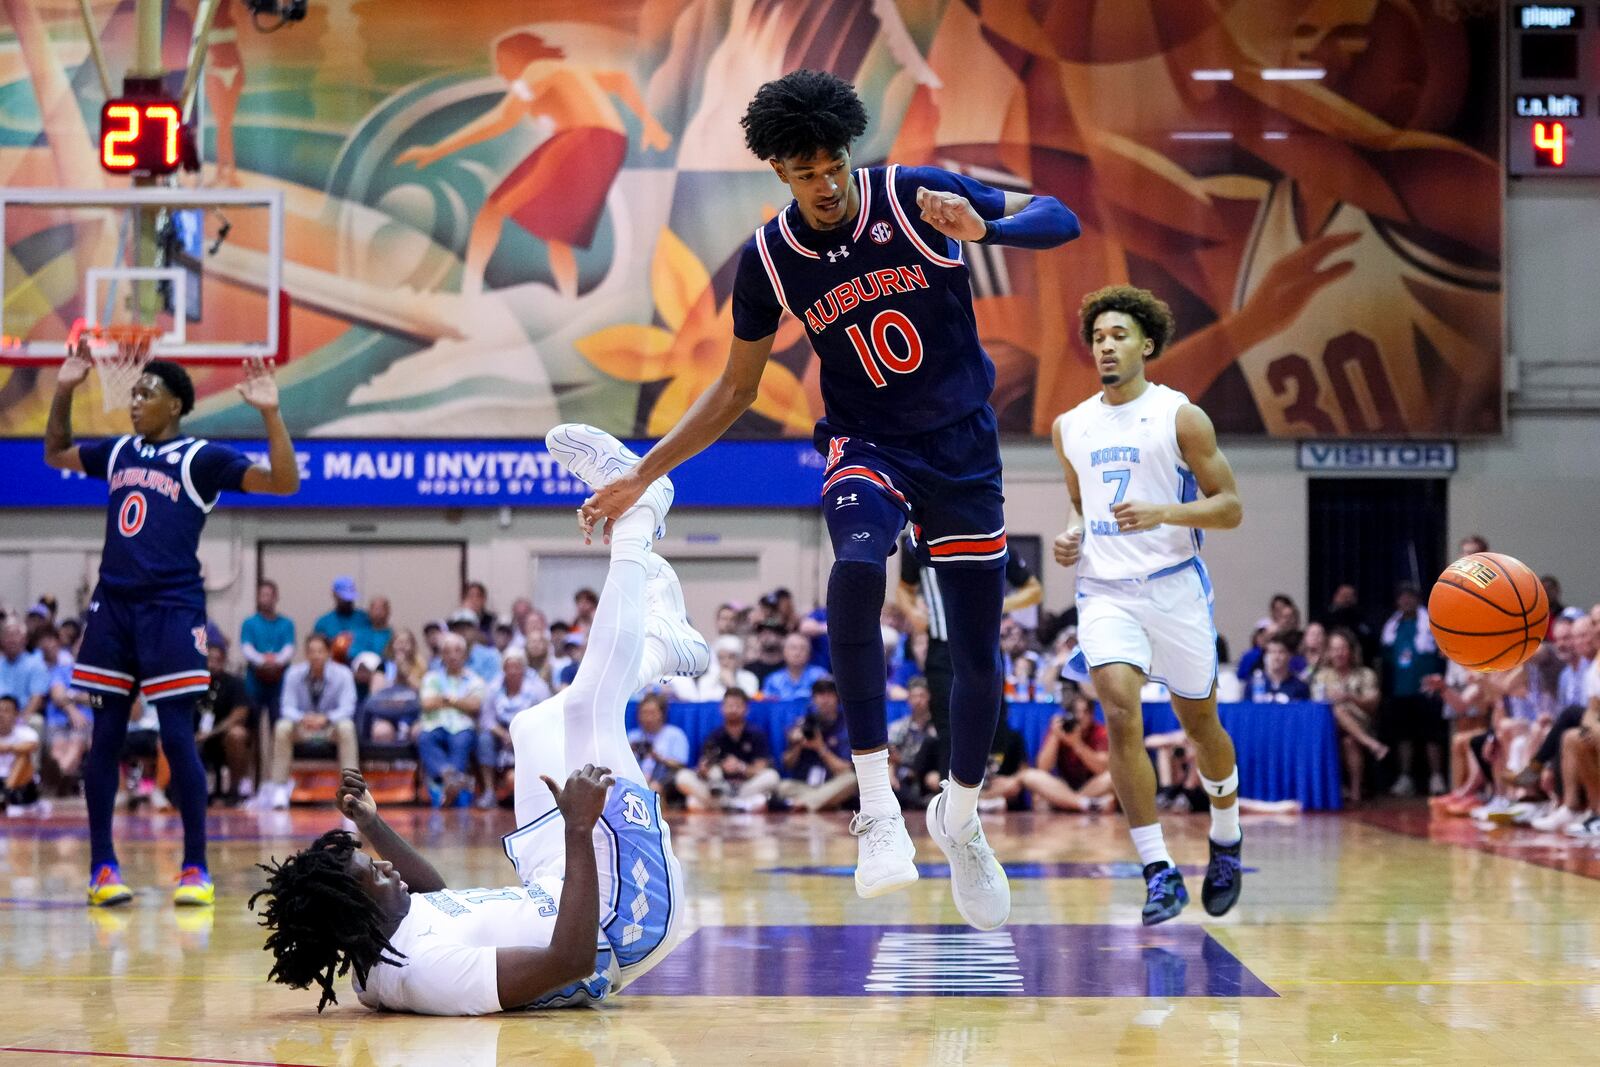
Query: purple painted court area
[950,961]
[1013,870]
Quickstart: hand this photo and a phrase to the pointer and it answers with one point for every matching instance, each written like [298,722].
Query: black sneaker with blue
[1165,894]
[1224,878]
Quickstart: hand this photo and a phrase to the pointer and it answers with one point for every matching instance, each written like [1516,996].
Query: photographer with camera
[1073,770]
[735,770]
[817,761]
[661,748]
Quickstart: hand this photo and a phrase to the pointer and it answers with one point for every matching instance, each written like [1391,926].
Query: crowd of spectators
[356,684]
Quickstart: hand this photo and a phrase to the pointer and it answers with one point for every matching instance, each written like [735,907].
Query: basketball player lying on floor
[600,891]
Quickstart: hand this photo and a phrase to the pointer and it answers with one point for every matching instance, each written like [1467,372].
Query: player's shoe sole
[597,459]
[107,890]
[688,654]
[886,859]
[977,881]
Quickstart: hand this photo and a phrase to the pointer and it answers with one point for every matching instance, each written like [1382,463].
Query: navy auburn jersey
[161,494]
[885,299]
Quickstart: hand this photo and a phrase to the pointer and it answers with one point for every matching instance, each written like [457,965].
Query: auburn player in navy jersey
[871,261]
[147,620]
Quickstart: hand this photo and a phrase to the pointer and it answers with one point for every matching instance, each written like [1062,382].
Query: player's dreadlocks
[323,923]
[1141,305]
[801,114]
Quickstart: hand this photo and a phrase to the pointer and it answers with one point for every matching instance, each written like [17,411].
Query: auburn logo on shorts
[835,452]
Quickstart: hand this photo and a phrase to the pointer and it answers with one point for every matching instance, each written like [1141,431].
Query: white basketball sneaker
[977,881]
[684,651]
[886,859]
[598,459]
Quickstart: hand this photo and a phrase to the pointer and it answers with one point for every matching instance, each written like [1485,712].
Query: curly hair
[1141,305]
[323,923]
[177,381]
[801,114]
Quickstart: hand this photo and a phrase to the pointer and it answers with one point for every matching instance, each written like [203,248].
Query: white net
[120,354]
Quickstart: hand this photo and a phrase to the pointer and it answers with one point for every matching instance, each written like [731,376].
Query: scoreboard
[1553,115]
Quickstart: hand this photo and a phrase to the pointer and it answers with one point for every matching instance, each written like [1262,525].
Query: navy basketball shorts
[946,482]
[157,650]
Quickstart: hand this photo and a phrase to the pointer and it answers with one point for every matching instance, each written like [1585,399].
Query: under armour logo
[864,535]
[147,453]
[843,253]
[844,501]
[94,605]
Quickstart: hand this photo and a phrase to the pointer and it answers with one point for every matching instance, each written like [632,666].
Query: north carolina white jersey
[449,940]
[1129,452]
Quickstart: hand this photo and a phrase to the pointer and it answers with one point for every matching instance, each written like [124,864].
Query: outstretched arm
[491,124]
[59,451]
[281,477]
[621,85]
[357,805]
[708,419]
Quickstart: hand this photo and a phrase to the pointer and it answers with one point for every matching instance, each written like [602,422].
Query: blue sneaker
[1224,878]
[435,795]
[464,799]
[1165,895]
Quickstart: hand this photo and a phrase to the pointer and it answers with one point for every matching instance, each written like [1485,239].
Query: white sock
[872,776]
[1225,824]
[1152,848]
[960,805]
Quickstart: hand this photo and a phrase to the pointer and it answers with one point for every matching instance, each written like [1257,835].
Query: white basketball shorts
[1162,625]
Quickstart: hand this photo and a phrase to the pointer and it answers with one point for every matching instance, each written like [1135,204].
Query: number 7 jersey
[1129,452]
[886,302]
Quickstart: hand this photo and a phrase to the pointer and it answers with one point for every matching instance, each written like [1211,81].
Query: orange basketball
[1488,612]
[340,648]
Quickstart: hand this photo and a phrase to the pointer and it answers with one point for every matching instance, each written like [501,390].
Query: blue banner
[452,474]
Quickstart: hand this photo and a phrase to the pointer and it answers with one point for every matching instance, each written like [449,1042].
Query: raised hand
[354,801]
[951,214]
[75,368]
[258,389]
[583,798]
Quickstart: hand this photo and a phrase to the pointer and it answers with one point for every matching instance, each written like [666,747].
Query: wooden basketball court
[1360,940]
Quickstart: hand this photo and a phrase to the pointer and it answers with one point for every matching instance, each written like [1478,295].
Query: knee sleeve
[862,522]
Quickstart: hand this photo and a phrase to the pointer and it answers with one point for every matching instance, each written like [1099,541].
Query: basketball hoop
[119,357]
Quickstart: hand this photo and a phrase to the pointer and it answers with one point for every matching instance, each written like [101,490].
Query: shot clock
[143,135]
[1552,126]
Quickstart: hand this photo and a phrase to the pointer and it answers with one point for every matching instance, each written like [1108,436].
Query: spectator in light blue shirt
[266,640]
[661,748]
[794,679]
[482,659]
[22,673]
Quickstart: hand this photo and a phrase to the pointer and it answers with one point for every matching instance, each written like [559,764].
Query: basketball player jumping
[871,259]
[600,897]
[147,619]
[1146,476]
